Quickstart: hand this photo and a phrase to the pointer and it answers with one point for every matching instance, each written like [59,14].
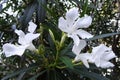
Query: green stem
[45,60]
[59,47]
[62,67]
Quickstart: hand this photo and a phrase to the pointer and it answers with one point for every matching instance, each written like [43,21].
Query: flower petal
[10,49]
[21,50]
[83,22]
[77,48]
[62,24]
[75,38]
[83,34]
[99,50]
[31,47]
[31,27]
[84,57]
[72,15]
[19,33]
[30,37]
[108,55]
[105,64]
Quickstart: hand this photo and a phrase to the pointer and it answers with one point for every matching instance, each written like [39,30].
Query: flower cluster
[25,41]
[100,55]
[71,25]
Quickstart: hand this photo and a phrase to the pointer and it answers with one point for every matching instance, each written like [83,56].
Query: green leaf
[35,76]
[56,74]
[67,61]
[21,76]
[41,12]
[85,6]
[18,72]
[28,13]
[92,75]
[102,36]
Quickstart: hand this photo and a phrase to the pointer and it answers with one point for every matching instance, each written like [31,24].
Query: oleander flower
[26,39]
[71,24]
[101,56]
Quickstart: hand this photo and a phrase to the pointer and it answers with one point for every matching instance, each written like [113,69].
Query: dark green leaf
[41,12]
[67,61]
[102,36]
[28,13]
[92,75]
[35,76]
[18,72]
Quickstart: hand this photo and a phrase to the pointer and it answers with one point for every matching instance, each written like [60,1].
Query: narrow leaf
[17,72]
[35,76]
[28,13]
[92,75]
[41,12]
[67,61]
[102,36]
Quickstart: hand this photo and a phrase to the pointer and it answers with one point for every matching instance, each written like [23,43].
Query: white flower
[26,39]
[84,57]
[71,24]
[10,49]
[101,56]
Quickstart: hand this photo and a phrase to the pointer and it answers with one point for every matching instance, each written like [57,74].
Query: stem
[56,59]
[45,60]
[62,67]
[59,47]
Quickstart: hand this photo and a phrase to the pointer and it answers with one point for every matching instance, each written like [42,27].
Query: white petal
[10,49]
[22,40]
[100,49]
[83,22]
[97,53]
[108,55]
[62,24]
[19,33]
[31,27]
[75,39]
[97,60]
[30,37]
[105,64]
[84,58]
[31,47]
[77,48]
[21,50]
[85,62]
[72,15]
[83,34]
